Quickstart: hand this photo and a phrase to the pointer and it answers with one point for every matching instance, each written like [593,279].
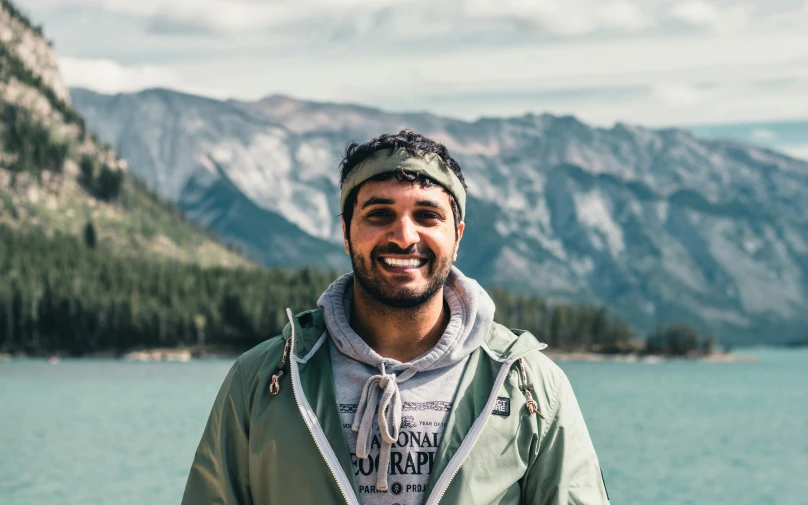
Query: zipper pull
[274,385]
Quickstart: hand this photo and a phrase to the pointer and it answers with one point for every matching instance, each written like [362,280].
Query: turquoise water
[110,432]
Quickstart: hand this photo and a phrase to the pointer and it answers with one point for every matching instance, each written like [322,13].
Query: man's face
[402,241]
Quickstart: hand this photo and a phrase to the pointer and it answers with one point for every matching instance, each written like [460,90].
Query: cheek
[442,244]
[364,239]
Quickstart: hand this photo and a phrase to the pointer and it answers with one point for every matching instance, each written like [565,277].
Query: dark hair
[415,144]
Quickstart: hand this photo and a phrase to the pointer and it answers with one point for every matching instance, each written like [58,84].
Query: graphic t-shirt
[426,403]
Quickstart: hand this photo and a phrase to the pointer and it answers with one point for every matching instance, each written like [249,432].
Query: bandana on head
[388,160]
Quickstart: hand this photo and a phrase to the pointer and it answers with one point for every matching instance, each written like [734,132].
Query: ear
[460,228]
[345,235]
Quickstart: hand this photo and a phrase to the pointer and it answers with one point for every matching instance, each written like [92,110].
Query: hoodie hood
[471,315]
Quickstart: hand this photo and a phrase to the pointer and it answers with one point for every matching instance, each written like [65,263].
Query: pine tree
[87,169]
[90,238]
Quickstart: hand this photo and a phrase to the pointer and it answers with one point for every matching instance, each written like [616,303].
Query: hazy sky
[655,62]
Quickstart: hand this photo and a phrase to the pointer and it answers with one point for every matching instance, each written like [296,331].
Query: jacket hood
[471,315]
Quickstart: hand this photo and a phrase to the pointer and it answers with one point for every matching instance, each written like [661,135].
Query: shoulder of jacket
[537,361]
[309,320]
[505,344]
[544,374]
[266,355]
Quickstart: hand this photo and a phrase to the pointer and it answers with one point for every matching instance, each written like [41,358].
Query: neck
[401,334]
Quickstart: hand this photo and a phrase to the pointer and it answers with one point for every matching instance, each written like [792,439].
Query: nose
[404,233]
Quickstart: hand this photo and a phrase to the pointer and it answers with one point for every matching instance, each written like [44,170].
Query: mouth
[402,264]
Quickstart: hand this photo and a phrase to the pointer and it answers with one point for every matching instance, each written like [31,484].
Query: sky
[650,62]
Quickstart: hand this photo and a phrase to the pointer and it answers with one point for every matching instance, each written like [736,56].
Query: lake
[118,433]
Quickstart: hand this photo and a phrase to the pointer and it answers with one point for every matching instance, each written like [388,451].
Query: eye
[379,213]
[430,216]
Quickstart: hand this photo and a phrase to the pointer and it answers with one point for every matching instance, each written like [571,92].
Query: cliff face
[57,177]
[26,42]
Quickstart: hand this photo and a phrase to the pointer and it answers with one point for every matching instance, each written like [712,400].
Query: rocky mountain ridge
[28,44]
[658,224]
[57,177]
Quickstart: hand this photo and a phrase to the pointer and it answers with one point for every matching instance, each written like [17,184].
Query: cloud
[657,62]
[107,76]
[625,15]
[562,17]
[681,94]
[696,12]
[800,151]
[214,16]
[557,17]
[731,18]
[763,134]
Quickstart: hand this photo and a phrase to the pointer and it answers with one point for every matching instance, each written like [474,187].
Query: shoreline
[183,355]
[649,358]
[178,355]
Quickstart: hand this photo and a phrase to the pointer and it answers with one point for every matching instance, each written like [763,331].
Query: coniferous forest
[62,294]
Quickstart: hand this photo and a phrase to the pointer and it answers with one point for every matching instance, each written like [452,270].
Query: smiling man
[400,389]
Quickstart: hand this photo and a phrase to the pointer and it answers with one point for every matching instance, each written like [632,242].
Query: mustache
[413,249]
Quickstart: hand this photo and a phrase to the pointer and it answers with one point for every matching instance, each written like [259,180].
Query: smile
[403,262]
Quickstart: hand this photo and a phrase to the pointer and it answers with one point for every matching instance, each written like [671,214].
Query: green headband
[387,160]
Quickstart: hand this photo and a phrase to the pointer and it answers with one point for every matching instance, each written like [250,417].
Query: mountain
[788,136]
[658,224]
[57,178]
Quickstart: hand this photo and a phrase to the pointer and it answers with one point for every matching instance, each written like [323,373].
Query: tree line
[59,295]
[592,328]
[565,326]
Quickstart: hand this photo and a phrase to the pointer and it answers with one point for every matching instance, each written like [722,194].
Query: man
[399,389]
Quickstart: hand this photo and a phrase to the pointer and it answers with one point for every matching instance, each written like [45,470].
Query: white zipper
[471,438]
[320,440]
[310,418]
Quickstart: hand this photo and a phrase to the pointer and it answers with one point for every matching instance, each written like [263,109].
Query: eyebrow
[429,203]
[377,201]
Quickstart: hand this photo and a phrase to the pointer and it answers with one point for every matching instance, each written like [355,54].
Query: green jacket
[290,448]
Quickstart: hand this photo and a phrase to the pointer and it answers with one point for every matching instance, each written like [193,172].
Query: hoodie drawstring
[274,385]
[527,387]
[389,418]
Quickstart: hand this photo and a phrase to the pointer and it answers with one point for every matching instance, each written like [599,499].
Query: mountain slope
[56,177]
[790,137]
[658,224]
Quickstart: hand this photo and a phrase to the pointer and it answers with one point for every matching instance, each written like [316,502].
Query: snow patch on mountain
[593,212]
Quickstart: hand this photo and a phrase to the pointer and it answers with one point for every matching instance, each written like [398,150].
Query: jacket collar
[501,343]
[309,330]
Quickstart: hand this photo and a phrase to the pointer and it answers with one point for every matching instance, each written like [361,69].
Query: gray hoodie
[394,413]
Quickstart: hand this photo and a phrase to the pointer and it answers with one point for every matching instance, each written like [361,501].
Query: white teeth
[407,263]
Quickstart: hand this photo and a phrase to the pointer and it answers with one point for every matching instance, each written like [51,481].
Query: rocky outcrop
[27,43]
[56,176]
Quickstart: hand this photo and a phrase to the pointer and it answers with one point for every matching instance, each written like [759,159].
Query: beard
[372,281]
